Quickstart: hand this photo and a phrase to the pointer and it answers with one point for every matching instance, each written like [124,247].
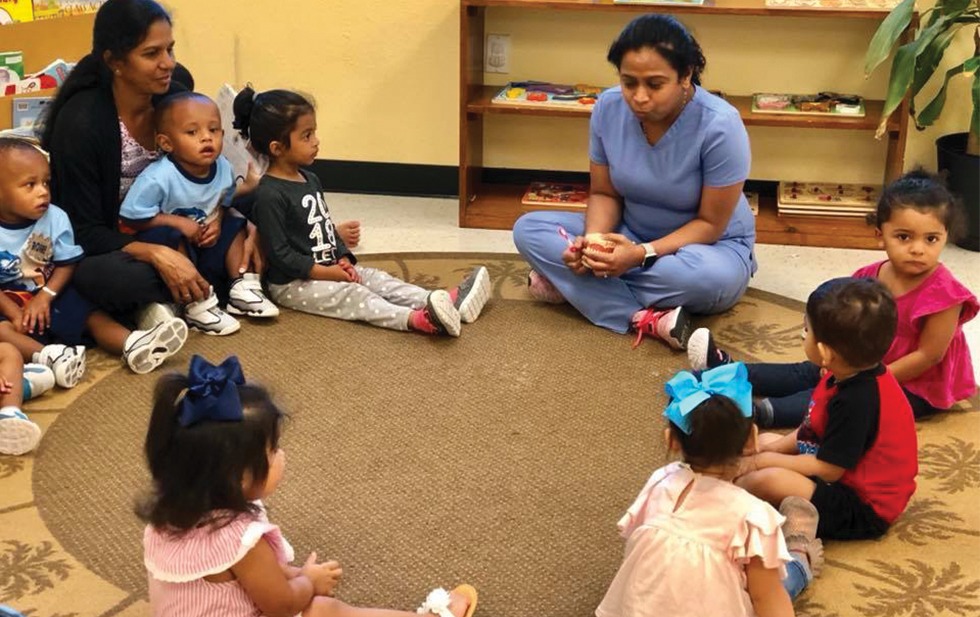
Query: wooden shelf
[497,206]
[710,7]
[481,97]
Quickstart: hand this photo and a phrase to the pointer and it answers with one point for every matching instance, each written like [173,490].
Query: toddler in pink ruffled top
[697,544]
[209,548]
[915,217]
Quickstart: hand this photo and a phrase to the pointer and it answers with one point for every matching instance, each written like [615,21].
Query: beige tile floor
[396,224]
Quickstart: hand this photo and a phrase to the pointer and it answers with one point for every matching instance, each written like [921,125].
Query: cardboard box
[16,11]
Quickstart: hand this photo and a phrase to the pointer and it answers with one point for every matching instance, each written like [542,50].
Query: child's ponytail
[242,107]
[268,116]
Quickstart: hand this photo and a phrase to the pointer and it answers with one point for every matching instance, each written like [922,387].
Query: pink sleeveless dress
[177,565]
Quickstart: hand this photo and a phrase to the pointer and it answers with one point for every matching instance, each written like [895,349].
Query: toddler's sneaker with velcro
[247,298]
[438,317]
[207,317]
[147,349]
[472,294]
[37,380]
[66,362]
[18,435]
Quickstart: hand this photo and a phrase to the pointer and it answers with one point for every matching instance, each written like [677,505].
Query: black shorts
[843,516]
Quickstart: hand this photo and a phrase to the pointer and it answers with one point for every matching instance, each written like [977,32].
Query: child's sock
[18,435]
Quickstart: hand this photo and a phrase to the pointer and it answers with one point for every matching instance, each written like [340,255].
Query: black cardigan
[86,154]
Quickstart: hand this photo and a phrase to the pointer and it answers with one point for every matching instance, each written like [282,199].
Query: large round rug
[502,459]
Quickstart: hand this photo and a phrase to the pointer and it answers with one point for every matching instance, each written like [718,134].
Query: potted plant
[914,65]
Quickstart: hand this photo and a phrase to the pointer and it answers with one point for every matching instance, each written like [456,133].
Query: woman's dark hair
[120,26]
[925,193]
[269,116]
[668,37]
[856,317]
[719,431]
[199,469]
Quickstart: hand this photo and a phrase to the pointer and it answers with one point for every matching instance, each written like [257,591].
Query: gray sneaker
[147,349]
[154,313]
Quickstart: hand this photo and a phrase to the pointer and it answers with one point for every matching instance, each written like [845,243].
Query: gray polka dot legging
[379,299]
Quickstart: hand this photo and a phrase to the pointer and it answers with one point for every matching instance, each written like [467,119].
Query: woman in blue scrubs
[667,161]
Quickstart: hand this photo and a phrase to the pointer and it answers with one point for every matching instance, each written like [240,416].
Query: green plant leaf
[887,34]
[930,57]
[903,66]
[953,6]
[931,111]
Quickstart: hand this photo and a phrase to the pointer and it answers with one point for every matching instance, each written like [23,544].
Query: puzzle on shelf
[827,199]
[691,2]
[820,104]
[561,195]
[542,94]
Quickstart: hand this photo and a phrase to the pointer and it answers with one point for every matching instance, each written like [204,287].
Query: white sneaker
[67,363]
[38,379]
[147,349]
[206,316]
[154,313]
[247,298]
[18,435]
[472,294]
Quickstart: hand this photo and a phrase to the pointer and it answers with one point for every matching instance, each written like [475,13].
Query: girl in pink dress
[929,356]
[915,217]
[209,548]
[698,545]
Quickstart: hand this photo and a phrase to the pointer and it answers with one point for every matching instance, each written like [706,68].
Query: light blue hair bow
[687,392]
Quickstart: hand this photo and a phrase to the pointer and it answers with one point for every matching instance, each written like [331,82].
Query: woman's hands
[625,256]
[36,316]
[184,281]
[573,256]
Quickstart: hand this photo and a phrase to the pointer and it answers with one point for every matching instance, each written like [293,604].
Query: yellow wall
[385,75]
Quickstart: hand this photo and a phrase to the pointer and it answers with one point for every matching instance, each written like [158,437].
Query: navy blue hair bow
[212,392]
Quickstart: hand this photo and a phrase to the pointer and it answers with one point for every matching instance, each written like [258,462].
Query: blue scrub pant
[703,278]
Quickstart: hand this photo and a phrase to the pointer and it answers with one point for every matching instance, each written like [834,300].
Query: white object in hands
[235,147]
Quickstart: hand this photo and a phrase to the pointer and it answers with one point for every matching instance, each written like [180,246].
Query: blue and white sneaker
[67,363]
[37,380]
[18,435]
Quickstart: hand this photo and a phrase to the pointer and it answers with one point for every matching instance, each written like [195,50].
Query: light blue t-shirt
[164,188]
[661,184]
[30,251]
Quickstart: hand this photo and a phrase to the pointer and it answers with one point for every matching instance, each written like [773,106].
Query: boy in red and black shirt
[855,456]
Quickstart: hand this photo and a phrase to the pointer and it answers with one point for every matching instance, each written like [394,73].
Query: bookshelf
[488,205]
[42,41]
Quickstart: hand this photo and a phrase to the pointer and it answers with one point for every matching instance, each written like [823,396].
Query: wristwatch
[649,255]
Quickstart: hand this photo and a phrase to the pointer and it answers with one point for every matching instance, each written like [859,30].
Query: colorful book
[559,195]
[26,112]
[865,5]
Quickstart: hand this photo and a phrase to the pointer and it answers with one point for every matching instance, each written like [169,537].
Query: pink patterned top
[687,559]
[134,159]
[177,565]
[952,379]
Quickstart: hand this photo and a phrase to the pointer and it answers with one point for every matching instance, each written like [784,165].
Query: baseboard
[442,180]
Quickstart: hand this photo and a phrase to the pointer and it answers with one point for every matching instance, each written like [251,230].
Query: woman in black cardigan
[131,64]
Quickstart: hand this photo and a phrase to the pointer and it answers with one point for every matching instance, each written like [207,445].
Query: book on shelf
[827,199]
[52,9]
[26,111]
[559,195]
[821,104]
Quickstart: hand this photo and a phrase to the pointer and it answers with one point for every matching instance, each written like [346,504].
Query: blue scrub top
[661,184]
